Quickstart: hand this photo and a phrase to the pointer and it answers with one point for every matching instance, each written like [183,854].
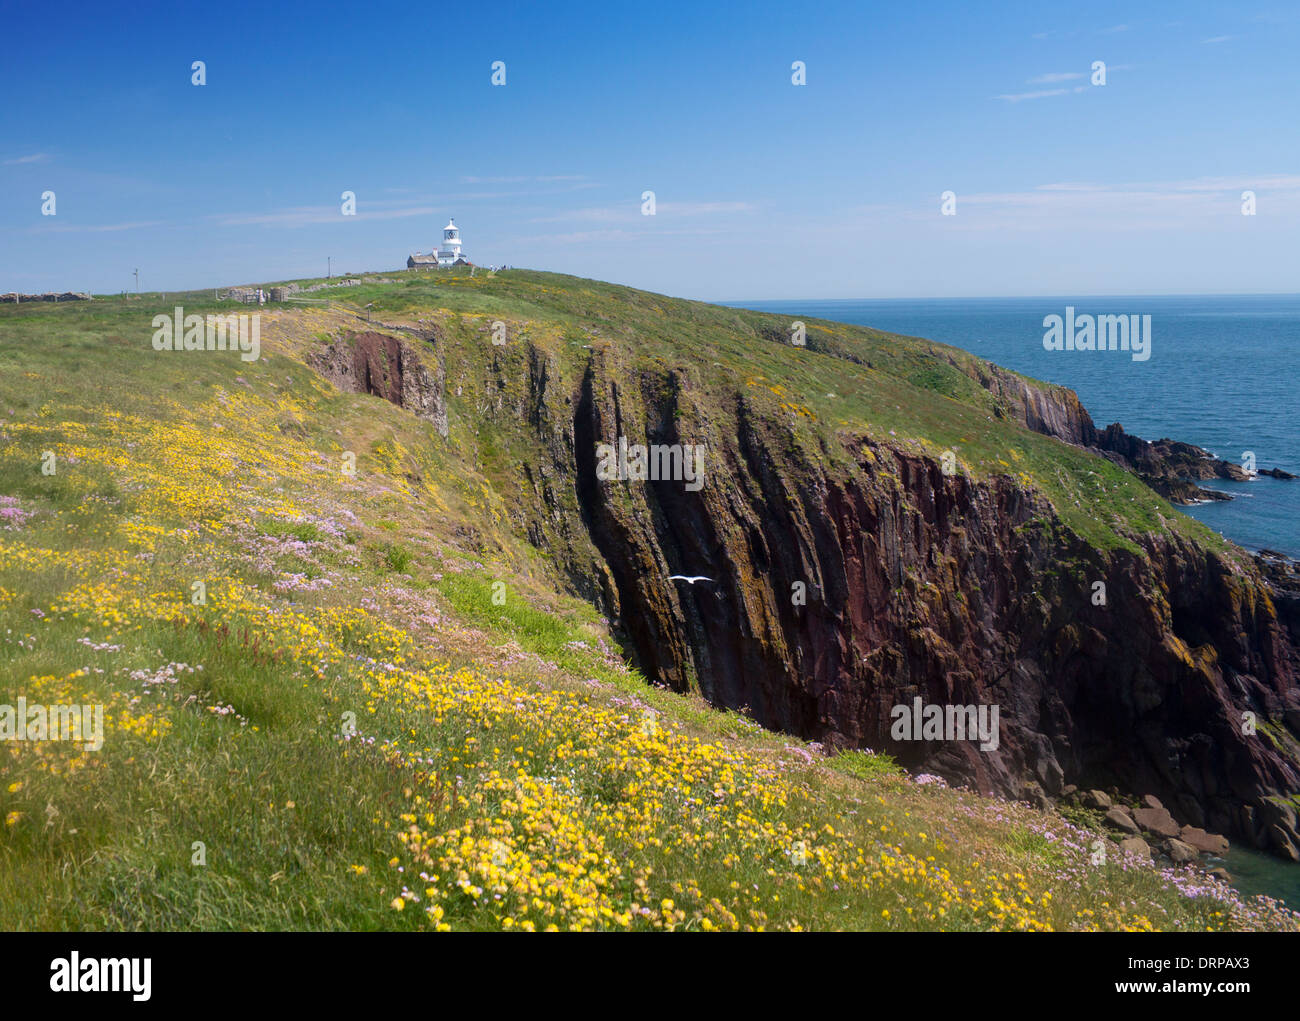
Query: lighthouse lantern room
[449,251]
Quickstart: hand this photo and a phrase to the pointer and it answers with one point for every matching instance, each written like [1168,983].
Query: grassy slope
[507,770]
[909,388]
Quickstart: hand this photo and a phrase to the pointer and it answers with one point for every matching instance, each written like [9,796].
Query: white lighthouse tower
[449,251]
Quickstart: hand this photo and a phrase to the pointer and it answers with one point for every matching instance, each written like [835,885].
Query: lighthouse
[449,251]
[446,254]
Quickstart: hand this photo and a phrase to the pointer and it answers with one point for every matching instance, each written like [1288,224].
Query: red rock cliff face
[389,367]
[915,584]
[953,590]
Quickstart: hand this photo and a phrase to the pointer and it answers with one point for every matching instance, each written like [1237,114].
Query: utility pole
[137,281]
[329,271]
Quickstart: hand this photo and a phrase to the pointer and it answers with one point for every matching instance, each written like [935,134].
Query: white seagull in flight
[691,580]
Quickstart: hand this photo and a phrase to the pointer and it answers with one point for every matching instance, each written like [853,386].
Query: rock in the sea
[1221,873]
[1209,843]
[1180,853]
[1137,846]
[1120,819]
[1157,821]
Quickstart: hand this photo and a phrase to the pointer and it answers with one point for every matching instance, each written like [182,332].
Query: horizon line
[728,302]
[1006,297]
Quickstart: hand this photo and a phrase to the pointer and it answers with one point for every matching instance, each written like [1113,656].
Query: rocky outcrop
[1282,578]
[1121,819]
[1138,847]
[960,592]
[389,367]
[1168,466]
[1157,821]
[1150,829]
[1205,843]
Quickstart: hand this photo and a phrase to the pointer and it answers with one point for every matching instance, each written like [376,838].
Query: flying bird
[691,580]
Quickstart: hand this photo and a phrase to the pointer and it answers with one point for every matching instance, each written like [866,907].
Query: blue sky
[763,189]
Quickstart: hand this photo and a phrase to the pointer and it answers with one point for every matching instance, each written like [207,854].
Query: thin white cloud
[1154,205]
[1216,39]
[1082,208]
[303,216]
[703,208]
[548,179]
[609,234]
[598,214]
[96,228]
[36,157]
[1020,97]
[1070,186]
[1056,76]
[631,211]
[1275,182]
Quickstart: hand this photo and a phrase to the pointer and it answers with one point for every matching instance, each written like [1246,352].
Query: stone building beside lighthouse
[447,254]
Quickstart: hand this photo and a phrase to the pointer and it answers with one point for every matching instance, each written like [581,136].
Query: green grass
[303,530]
[1026,844]
[398,558]
[848,376]
[865,765]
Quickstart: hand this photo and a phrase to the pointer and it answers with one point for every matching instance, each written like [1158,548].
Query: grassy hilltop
[384,707]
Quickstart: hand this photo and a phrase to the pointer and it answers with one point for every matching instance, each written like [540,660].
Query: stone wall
[47,296]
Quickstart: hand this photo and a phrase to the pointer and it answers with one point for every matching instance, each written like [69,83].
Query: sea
[1224,374]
